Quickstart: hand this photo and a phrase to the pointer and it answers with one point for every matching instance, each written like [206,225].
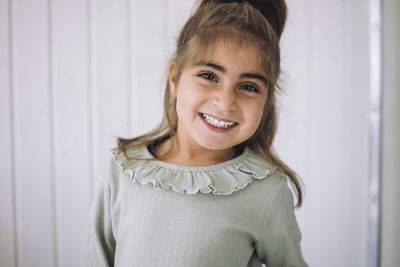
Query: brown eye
[249,88]
[208,76]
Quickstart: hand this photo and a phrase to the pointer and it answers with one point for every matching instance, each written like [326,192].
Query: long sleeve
[100,243]
[279,242]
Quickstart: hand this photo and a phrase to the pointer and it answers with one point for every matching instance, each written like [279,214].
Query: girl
[205,188]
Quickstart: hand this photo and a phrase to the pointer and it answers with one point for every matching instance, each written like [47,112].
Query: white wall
[75,74]
[324,125]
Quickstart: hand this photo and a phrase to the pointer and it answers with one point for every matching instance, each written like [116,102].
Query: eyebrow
[222,69]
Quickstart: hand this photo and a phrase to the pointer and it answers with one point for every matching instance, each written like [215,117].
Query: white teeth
[217,123]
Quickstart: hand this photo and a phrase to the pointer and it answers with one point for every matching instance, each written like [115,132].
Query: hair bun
[275,11]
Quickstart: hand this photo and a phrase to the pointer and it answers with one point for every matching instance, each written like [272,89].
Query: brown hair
[259,23]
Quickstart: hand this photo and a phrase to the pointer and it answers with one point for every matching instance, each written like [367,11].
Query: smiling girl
[205,188]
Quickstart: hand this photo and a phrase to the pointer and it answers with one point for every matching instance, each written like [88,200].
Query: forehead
[228,49]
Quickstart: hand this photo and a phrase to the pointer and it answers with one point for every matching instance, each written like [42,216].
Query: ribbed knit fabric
[221,215]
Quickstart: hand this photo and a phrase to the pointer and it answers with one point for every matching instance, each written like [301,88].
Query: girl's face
[220,99]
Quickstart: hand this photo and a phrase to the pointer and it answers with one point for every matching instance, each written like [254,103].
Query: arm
[279,241]
[100,243]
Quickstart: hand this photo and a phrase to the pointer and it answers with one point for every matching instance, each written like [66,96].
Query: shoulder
[266,174]
[282,195]
[121,165]
[269,183]
[273,191]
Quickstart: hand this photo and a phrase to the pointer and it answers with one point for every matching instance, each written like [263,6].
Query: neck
[191,156]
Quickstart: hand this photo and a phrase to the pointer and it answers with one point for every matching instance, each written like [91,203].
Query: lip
[214,128]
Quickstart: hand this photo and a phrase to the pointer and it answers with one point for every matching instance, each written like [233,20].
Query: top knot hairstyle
[256,23]
[273,11]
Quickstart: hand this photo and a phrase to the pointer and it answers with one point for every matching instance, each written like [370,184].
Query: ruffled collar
[220,179]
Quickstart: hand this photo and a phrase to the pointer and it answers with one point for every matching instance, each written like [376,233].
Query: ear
[173,78]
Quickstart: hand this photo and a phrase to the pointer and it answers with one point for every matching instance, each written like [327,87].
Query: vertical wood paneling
[93,97]
[110,75]
[337,157]
[294,102]
[326,165]
[354,100]
[33,133]
[7,207]
[323,131]
[72,123]
[154,27]
[149,40]
[176,13]
[328,173]
[292,139]
[133,70]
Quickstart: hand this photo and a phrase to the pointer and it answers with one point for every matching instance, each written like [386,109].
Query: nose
[224,98]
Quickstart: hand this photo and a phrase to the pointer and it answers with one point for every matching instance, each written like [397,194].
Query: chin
[217,145]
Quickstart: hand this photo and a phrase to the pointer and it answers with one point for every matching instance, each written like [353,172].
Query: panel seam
[12,133]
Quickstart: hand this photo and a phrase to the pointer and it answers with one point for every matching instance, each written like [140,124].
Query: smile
[217,123]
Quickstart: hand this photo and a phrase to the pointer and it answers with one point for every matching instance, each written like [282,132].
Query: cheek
[186,104]
[181,107]
[190,96]
[254,115]
[257,120]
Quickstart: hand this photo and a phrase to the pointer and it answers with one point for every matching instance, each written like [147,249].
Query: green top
[152,213]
